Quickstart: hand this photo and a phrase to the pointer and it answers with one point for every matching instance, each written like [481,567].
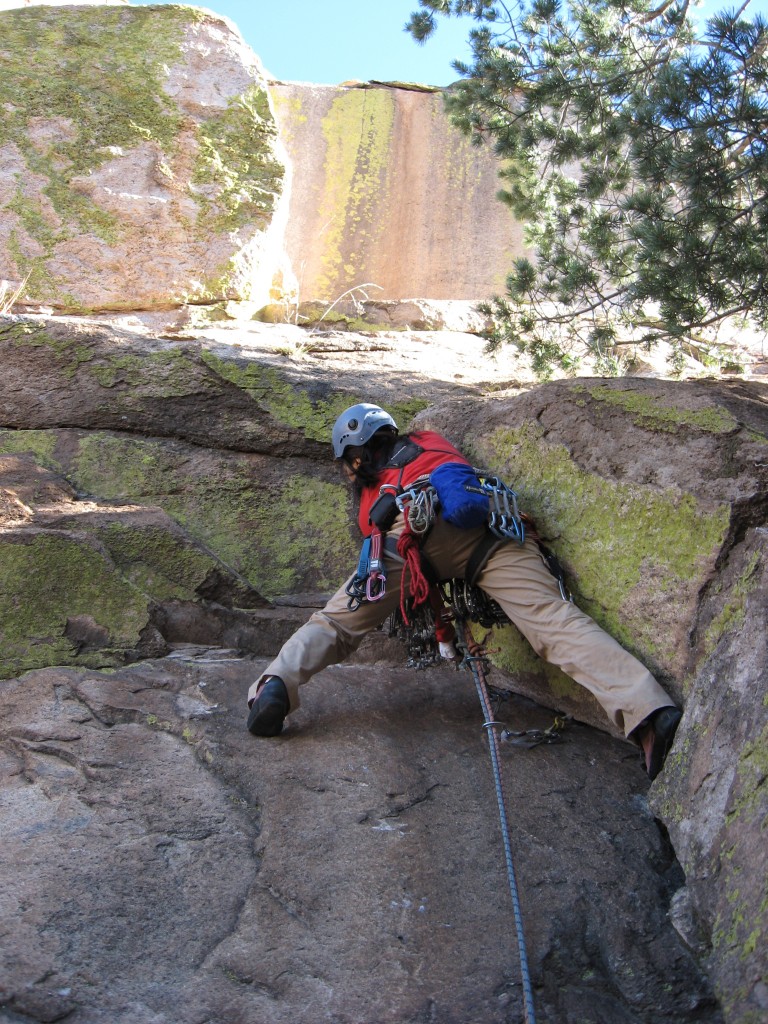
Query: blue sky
[331,41]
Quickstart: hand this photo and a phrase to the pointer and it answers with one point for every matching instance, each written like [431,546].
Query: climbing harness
[476,661]
[420,502]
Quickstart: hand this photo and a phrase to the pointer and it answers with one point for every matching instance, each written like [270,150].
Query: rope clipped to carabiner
[476,662]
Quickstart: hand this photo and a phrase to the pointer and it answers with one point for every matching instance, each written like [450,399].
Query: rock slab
[162,866]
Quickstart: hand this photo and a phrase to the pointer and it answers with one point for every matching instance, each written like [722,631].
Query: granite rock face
[139,161]
[159,865]
[388,197]
[120,446]
[713,802]
[146,163]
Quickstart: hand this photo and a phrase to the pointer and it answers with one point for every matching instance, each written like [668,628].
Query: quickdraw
[470,602]
[376,585]
[504,519]
[418,636]
[369,582]
[529,738]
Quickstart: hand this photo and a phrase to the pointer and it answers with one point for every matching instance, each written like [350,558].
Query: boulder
[712,794]
[641,488]
[139,161]
[364,314]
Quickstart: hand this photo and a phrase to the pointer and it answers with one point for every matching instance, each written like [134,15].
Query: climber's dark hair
[373,455]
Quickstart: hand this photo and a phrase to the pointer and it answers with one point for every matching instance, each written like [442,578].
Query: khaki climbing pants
[517,578]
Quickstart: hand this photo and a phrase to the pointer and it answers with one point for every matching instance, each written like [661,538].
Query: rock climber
[381,463]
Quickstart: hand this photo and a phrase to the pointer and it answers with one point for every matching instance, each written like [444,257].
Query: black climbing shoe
[656,736]
[269,709]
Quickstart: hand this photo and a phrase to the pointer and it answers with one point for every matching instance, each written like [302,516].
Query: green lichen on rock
[97,73]
[734,608]
[41,444]
[119,468]
[156,561]
[234,156]
[613,537]
[278,396]
[268,533]
[164,373]
[357,131]
[49,579]
[752,773]
[667,800]
[100,69]
[739,929]
[303,526]
[294,535]
[648,412]
[292,406]
[67,353]
[94,91]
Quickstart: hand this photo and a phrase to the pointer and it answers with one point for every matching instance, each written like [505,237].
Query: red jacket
[436,451]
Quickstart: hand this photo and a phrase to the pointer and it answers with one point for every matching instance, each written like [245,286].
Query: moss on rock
[156,561]
[615,538]
[304,534]
[733,611]
[270,532]
[233,157]
[292,406]
[279,396]
[648,412]
[49,579]
[165,373]
[41,444]
[98,74]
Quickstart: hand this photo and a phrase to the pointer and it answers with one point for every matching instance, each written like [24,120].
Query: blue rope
[478,673]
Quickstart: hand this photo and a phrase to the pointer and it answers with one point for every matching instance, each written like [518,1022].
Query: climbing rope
[473,657]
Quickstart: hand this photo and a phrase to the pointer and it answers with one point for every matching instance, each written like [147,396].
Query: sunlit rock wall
[386,192]
[139,161]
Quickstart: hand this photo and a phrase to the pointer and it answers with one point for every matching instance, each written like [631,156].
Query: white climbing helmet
[358,424]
